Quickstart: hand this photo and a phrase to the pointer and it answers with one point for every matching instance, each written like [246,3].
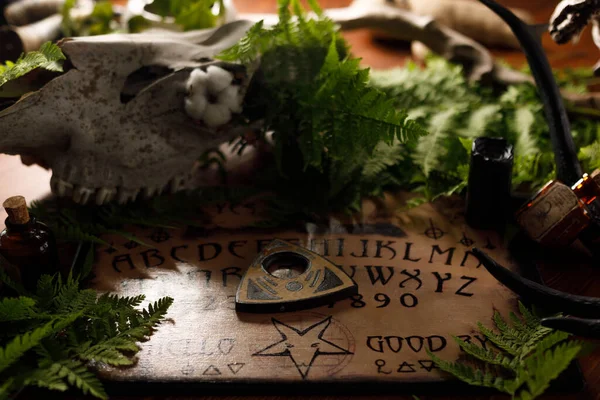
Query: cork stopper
[16,208]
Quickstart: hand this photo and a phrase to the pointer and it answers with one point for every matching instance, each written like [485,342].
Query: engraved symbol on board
[131,245]
[433,232]
[111,249]
[489,245]
[542,213]
[160,235]
[427,365]
[212,370]
[303,347]
[406,367]
[235,367]
[187,370]
[466,241]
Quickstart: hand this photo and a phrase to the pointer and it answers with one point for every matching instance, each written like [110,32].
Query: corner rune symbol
[466,241]
[433,232]
[160,235]
[131,245]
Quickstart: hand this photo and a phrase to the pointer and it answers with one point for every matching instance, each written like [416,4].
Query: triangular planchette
[321,283]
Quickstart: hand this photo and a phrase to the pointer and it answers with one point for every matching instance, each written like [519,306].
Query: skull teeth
[126,195]
[60,187]
[103,195]
[82,194]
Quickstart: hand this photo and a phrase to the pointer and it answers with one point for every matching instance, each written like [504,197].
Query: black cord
[568,167]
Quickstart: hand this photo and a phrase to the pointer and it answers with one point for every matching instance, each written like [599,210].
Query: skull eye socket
[140,79]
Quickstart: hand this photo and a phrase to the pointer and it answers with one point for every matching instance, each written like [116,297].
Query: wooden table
[33,181]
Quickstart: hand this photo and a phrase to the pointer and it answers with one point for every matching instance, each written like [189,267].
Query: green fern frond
[49,57]
[531,356]
[524,126]
[591,155]
[17,347]
[432,148]
[156,312]
[480,119]
[78,375]
[108,355]
[14,309]
[46,378]
[473,376]
[118,302]
[6,388]
[384,156]
[545,366]
[486,355]
[531,320]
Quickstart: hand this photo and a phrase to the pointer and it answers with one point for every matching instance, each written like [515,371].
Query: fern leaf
[384,156]
[49,57]
[156,312]
[6,388]
[549,341]
[430,148]
[473,376]
[480,119]
[545,366]
[499,341]
[107,355]
[88,264]
[46,378]
[78,375]
[485,355]
[530,319]
[46,290]
[524,124]
[17,347]
[118,302]
[591,155]
[14,309]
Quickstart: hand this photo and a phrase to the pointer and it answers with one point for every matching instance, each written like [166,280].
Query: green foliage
[524,359]
[326,118]
[189,14]
[456,111]
[72,223]
[51,337]
[48,57]
[100,22]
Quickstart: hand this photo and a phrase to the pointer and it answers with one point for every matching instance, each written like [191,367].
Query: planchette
[303,280]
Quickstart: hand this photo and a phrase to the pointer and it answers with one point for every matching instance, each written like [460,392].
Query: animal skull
[108,137]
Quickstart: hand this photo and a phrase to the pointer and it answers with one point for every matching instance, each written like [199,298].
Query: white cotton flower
[231,98]
[195,105]
[216,115]
[218,79]
[197,81]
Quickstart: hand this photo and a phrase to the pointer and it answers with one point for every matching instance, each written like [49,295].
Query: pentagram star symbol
[303,347]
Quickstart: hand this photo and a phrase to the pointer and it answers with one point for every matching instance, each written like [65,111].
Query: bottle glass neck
[17,228]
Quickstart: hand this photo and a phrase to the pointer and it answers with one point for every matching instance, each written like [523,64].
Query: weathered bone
[404,25]
[99,146]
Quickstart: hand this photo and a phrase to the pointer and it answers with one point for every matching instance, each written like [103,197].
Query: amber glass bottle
[27,244]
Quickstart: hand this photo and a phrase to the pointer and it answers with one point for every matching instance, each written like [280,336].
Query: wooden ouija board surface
[418,285]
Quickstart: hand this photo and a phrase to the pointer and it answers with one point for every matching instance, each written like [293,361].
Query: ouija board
[419,284]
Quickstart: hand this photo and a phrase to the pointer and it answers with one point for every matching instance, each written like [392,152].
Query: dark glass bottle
[27,244]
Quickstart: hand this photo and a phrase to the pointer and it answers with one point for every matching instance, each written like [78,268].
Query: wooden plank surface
[33,182]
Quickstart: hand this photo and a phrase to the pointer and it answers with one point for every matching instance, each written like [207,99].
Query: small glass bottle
[27,244]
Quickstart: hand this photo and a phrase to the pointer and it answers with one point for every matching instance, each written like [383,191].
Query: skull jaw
[93,180]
